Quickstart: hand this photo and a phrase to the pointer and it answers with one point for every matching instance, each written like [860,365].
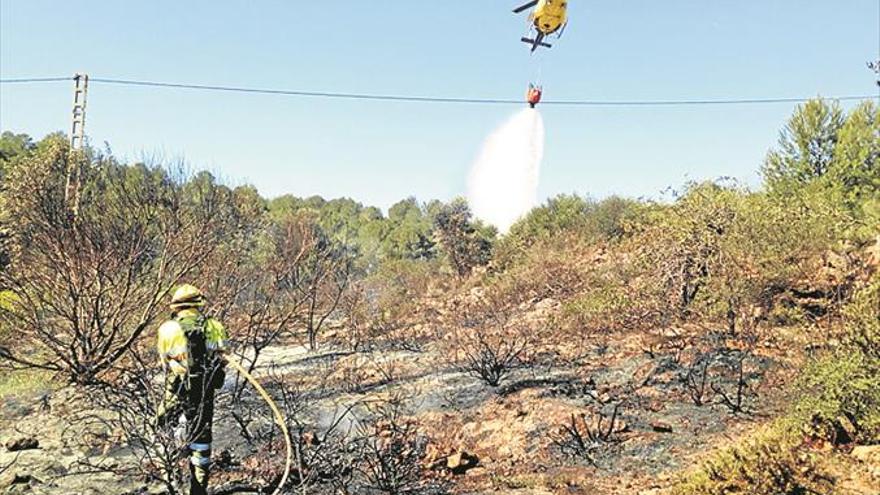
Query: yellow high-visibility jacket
[172,344]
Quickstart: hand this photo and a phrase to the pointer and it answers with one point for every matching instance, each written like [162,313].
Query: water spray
[503,181]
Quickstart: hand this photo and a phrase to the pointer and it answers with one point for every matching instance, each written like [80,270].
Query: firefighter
[191,347]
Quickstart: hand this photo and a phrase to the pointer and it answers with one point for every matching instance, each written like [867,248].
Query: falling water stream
[503,181]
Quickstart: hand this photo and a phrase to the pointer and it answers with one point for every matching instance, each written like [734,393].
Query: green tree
[828,160]
[409,232]
[807,146]
[573,214]
[854,176]
[341,218]
[12,144]
[283,205]
[465,243]
[562,213]
[855,167]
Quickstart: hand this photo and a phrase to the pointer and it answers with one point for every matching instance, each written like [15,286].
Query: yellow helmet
[187,296]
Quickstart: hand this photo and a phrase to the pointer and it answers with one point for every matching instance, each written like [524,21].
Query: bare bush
[124,419]
[124,416]
[734,399]
[324,455]
[385,310]
[371,325]
[585,434]
[393,451]
[264,304]
[322,275]
[697,380]
[381,452]
[80,292]
[359,315]
[492,342]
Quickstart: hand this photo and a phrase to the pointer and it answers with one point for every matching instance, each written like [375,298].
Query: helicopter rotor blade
[524,7]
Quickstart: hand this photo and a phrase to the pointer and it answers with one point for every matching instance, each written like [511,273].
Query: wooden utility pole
[77,142]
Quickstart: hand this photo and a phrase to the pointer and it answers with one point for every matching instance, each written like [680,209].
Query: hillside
[725,341]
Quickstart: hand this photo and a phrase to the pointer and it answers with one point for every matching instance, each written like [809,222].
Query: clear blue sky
[380,152]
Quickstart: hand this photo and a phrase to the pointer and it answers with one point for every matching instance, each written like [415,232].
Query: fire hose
[279,419]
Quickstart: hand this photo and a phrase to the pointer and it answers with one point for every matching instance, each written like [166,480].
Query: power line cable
[35,80]
[655,103]
[434,99]
[313,94]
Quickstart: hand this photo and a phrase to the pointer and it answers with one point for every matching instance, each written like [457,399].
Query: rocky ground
[482,440]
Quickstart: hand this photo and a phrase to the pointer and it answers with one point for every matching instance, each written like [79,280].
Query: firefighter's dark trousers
[199,419]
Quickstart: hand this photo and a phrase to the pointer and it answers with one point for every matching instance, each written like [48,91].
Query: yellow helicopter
[548,17]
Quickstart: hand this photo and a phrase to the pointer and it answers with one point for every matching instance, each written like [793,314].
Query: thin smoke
[503,182]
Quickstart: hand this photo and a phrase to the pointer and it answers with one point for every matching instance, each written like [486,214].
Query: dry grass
[24,383]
